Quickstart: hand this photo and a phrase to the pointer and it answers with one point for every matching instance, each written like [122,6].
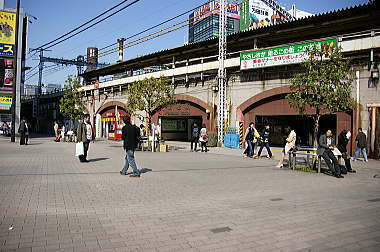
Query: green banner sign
[244,15]
[284,55]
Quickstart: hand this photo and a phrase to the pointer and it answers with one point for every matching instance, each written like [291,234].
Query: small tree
[148,95]
[69,104]
[325,83]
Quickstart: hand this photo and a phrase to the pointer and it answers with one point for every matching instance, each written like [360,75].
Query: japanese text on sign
[280,55]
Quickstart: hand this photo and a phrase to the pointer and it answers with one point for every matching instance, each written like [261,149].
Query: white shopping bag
[79,149]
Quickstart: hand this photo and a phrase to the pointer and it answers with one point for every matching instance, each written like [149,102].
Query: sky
[56,17]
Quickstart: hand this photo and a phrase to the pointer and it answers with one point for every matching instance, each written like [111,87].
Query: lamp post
[15,63]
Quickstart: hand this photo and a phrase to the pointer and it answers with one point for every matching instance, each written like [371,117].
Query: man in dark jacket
[361,138]
[326,145]
[265,142]
[131,138]
[194,137]
[85,134]
[23,130]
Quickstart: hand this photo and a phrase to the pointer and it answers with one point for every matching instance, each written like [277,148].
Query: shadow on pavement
[145,170]
[97,159]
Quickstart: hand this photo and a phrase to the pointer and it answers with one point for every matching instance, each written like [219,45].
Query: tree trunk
[316,130]
[149,127]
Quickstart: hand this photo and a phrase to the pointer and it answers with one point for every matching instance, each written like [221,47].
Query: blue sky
[56,17]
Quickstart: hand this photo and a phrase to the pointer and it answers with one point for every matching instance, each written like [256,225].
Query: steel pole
[222,72]
[15,63]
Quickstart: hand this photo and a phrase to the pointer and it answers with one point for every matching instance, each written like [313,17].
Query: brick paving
[184,202]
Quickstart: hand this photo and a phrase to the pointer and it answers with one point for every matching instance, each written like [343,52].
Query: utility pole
[40,70]
[222,71]
[15,63]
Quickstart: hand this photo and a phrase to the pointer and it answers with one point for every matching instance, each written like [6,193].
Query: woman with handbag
[250,137]
[290,144]
[203,138]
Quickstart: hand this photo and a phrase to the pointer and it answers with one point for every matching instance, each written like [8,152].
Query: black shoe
[352,171]
[122,173]
[339,176]
[86,161]
[134,176]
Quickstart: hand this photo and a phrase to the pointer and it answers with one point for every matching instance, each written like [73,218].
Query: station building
[255,92]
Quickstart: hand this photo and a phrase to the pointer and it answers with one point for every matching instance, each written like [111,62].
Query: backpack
[195,132]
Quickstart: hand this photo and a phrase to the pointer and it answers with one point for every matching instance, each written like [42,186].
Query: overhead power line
[155,26]
[161,32]
[58,40]
[73,30]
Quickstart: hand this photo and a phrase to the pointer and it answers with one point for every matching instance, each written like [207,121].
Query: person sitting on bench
[326,145]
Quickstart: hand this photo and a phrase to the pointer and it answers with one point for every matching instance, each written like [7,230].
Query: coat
[342,143]
[290,141]
[203,137]
[130,136]
[251,135]
[23,128]
[82,133]
[361,138]
[322,144]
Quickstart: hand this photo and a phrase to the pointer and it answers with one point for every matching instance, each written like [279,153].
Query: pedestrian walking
[265,142]
[250,138]
[5,128]
[23,130]
[203,138]
[85,134]
[326,145]
[194,137]
[361,146]
[290,144]
[131,138]
[343,139]
[56,127]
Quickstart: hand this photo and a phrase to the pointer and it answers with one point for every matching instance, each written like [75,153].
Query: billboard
[5,102]
[6,74]
[211,8]
[284,55]
[256,14]
[7,33]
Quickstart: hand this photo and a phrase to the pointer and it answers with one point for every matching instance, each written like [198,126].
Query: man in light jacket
[326,145]
[85,134]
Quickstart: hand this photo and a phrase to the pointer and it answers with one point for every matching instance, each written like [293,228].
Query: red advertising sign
[6,74]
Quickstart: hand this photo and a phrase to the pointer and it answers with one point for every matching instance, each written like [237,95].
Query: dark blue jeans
[268,149]
[249,148]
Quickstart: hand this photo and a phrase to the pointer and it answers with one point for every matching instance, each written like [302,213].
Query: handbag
[343,169]
[79,149]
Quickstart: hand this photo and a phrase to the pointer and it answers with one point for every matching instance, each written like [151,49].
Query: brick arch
[111,104]
[192,99]
[261,96]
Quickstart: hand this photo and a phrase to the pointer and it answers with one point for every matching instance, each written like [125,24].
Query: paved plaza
[183,202]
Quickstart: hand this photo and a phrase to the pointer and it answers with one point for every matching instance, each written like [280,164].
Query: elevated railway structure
[253,93]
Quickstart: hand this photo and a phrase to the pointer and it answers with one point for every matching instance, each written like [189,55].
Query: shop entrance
[112,123]
[178,128]
[302,124]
